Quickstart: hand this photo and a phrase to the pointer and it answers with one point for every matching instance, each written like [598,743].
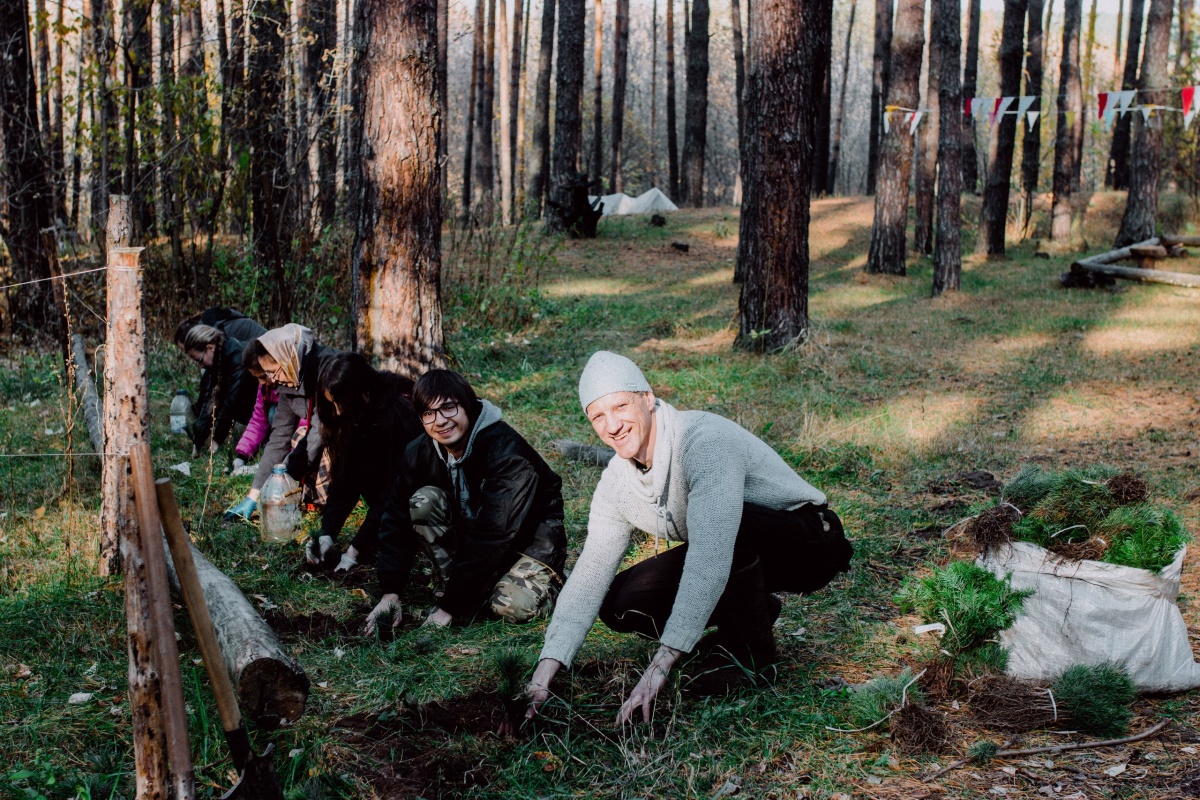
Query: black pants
[799,551]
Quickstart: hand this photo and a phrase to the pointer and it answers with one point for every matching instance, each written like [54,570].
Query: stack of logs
[1101,270]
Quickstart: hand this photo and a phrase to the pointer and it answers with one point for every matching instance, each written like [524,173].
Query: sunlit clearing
[996,356]
[588,287]
[1154,324]
[839,300]
[908,424]
[1108,409]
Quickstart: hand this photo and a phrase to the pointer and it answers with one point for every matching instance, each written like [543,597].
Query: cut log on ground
[1110,271]
[272,688]
[1146,256]
[587,453]
[1175,240]
[93,415]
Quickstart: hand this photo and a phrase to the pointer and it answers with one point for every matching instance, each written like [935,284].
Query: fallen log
[1175,240]
[1146,256]
[1083,268]
[93,414]
[587,453]
[272,688]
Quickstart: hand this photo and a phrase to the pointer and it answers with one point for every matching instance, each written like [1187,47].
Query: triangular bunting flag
[978,106]
[887,122]
[1033,115]
[916,120]
[1188,117]
[1023,104]
[1110,116]
[1102,101]
[1189,94]
[1126,98]
[1146,112]
[966,106]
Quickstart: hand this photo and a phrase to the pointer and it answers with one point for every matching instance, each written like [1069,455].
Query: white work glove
[315,552]
[241,468]
[390,604]
[349,560]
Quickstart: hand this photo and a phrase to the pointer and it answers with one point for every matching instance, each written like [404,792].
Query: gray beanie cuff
[606,373]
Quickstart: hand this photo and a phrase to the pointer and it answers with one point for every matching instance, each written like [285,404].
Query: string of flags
[1108,106]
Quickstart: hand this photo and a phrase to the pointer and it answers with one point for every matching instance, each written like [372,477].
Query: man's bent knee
[526,592]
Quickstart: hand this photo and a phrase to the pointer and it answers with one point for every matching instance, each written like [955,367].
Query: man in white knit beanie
[749,526]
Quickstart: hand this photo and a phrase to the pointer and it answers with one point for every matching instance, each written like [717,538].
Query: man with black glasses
[481,502]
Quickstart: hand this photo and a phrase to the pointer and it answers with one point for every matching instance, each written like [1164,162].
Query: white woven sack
[1090,612]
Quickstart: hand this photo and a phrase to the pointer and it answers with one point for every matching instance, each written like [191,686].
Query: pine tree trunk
[538,175]
[789,39]
[568,115]
[927,149]
[596,167]
[167,169]
[443,87]
[994,216]
[1117,174]
[77,144]
[105,178]
[672,129]
[474,106]
[880,86]
[514,100]
[695,123]
[652,170]
[1070,99]
[41,22]
[970,159]
[739,62]
[1141,207]
[319,34]
[620,78]
[57,157]
[523,110]
[835,150]
[1116,65]
[888,249]
[824,106]
[1089,54]
[1183,53]
[1031,146]
[947,253]
[485,145]
[136,42]
[506,116]
[25,182]
[397,253]
[267,134]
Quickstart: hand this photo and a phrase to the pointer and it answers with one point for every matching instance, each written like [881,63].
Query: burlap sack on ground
[1090,612]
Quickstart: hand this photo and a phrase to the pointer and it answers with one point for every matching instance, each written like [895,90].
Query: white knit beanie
[606,373]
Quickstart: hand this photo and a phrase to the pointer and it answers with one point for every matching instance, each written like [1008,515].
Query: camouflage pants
[526,592]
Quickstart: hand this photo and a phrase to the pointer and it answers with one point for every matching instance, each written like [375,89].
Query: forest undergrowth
[893,407]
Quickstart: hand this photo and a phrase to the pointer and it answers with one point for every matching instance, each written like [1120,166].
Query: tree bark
[77,144]
[28,193]
[596,167]
[137,70]
[620,78]
[397,252]
[695,125]
[474,107]
[994,216]
[105,178]
[888,249]
[57,156]
[652,170]
[927,149]
[880,81]
[789,39]
[507,120]
[672,128]
[835,150]
[515,96]
[41,22]
[1031,146]
[485,170]
[89,401]
[1116,176]
[318,22]
[568,115]
[1068,125]
[1183,53]
[540,172]
[1116,65]
[1141,207]
[947,254]
[168,176]
[739,61]
[970,160]
[269,176]
[824,106]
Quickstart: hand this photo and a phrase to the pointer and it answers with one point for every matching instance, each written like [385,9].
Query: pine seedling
[1098,698]
[880,696]
[511,666]
[1145,536]
[972,603]
[983,751]
[1078,501]
[1028,488]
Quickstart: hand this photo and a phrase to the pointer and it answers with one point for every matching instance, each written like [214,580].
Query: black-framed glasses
[447,410]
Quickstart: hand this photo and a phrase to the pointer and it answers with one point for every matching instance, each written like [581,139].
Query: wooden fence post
[126,422]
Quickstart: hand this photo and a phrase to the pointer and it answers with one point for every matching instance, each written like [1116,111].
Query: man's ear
[650,400]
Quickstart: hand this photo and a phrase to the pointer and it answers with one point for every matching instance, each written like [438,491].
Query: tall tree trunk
[739,62]
[672,128]
[538,175]
[1031,146]
[485,147]
[506,117]
[947,253]
[25,182]
[57,159]
[970,159]
[105,177]
[1070,118]
[1117,174]
[888,249]
[77,144]
[824,107]
[927,149]
[695,123]
[267,134]
[568,115]
[514,96]
[318,23]
[398,249]
[474,107]
[620,78]
[596,167]
[137,71]
[789,40]
[443,88]
[652,171]
[880,86]
[167,169]
[835,150]
[1183,53]
[523,109]
[1141,207]
[41,22]
[994,215]
[1116,65]
[1089,54]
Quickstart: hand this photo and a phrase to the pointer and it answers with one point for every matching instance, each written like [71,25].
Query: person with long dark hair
[367,420]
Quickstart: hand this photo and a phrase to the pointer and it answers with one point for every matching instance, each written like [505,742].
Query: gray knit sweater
[705,468]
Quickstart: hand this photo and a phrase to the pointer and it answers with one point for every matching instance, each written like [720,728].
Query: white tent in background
[645,203]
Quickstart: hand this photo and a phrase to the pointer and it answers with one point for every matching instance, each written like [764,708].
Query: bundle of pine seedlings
[899,700]
[1092,699]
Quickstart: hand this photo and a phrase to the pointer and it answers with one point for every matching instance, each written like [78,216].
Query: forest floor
[893,399]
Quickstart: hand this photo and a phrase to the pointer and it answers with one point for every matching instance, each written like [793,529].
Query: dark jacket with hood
[295,404]
[238,393]
[505,502]
[235,325]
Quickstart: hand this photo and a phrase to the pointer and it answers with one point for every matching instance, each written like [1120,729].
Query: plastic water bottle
[279,507]
[182,415]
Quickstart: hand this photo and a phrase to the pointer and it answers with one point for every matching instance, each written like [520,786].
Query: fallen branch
[93,415]
[1056,748]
